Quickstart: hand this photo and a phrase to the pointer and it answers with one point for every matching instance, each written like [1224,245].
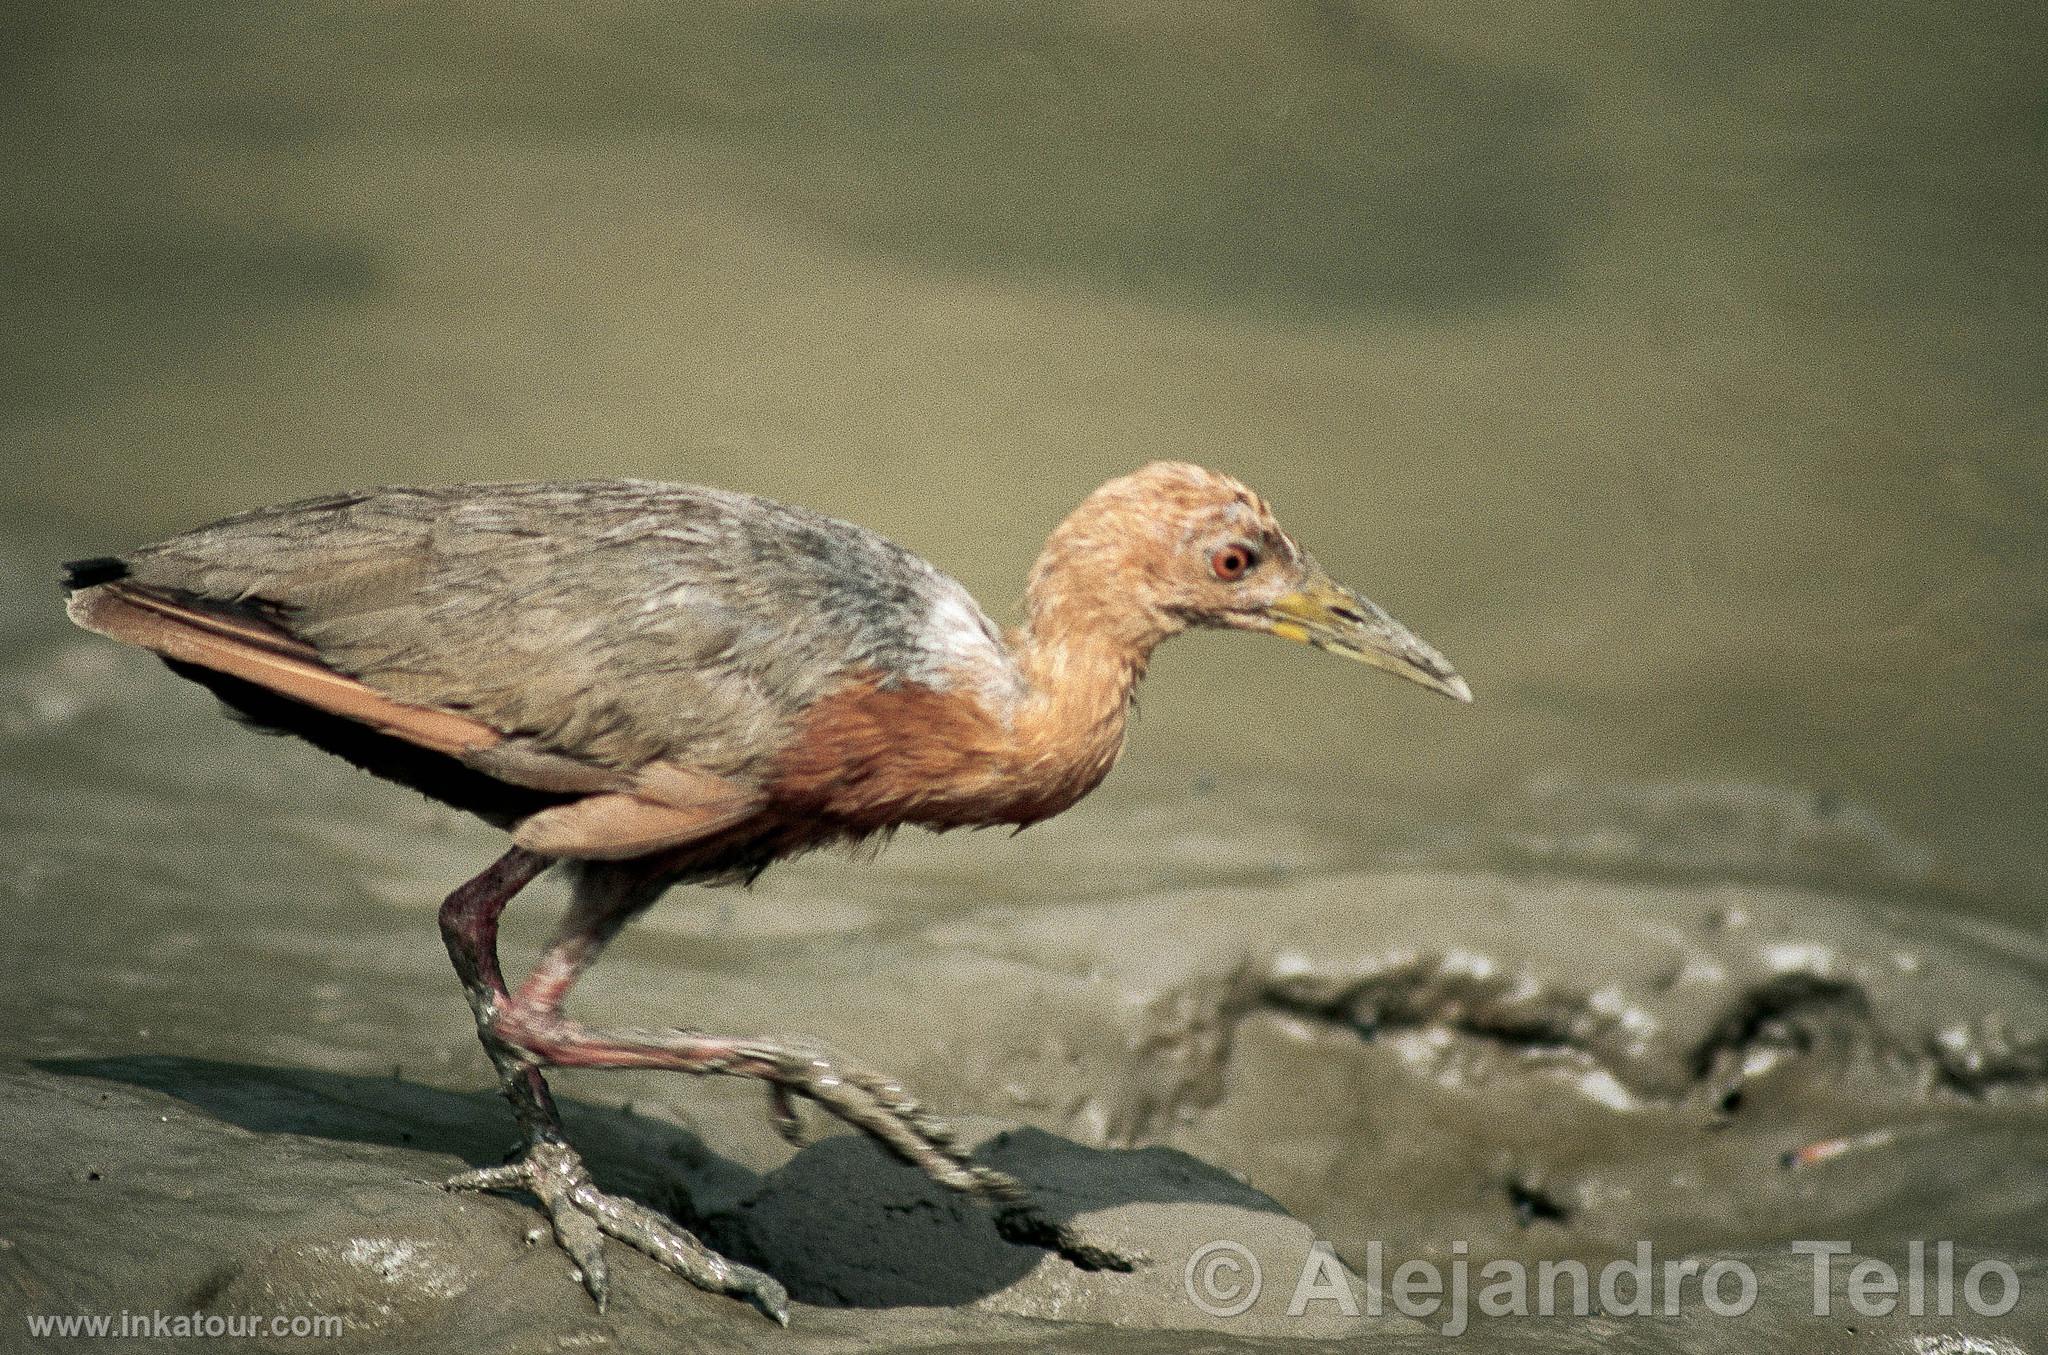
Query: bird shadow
[841,1224]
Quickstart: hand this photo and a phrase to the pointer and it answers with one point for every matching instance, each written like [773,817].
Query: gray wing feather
[616,621]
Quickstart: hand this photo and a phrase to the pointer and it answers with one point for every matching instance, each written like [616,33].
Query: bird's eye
[1232,562]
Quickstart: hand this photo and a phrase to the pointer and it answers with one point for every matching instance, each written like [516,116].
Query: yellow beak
[1336,620]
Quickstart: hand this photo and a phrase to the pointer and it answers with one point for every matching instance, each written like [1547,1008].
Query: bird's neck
[1074,689]
[1080,663]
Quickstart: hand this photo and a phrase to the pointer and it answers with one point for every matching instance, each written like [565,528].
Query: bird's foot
[802,1069]
[583,1216]
[881,1107]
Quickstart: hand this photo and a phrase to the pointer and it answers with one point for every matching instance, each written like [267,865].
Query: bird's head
[1174,545]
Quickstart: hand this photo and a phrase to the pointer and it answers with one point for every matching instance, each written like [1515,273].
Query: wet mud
[247,1106]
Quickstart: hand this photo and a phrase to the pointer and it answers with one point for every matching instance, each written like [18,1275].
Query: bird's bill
[1326,614]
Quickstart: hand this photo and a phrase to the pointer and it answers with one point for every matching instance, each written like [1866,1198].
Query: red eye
[1232,562]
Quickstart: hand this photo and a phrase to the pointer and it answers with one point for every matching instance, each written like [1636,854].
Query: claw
[877,1105]
[890,1115]
[578,1235]
[1021,1222]
[641,1228]
[583,1216]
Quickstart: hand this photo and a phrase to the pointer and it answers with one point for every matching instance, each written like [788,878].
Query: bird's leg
[546,1165]
[469,928]
[532,1022]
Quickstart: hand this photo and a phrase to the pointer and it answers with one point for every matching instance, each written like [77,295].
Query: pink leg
[531,1022]
[548,1167]
[469,928]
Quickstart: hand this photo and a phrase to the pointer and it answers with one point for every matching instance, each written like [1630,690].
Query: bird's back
[616,621]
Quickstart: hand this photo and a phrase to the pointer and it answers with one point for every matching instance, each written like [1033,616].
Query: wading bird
[656,684]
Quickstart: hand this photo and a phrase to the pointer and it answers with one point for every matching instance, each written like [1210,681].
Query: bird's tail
[93,571]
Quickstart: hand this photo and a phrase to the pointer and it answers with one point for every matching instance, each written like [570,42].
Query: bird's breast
[875,754]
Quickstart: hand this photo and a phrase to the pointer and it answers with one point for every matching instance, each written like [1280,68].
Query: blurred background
[1677,368]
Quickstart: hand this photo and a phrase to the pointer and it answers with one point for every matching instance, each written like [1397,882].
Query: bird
[649,684]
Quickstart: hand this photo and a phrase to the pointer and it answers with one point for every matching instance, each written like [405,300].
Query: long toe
[644,1230]
[879,1106]
[583,1216]
[892,1116]
[1025,1223]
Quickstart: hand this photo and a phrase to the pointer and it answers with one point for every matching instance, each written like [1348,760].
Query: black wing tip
[93,571]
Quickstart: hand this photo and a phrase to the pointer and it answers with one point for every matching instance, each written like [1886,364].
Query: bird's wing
[248,649]
[618,815]
[612,623]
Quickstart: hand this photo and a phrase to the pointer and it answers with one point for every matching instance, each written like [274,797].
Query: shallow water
[1676,369]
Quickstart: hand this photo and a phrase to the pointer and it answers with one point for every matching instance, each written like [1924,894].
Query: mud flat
[1411,1066]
